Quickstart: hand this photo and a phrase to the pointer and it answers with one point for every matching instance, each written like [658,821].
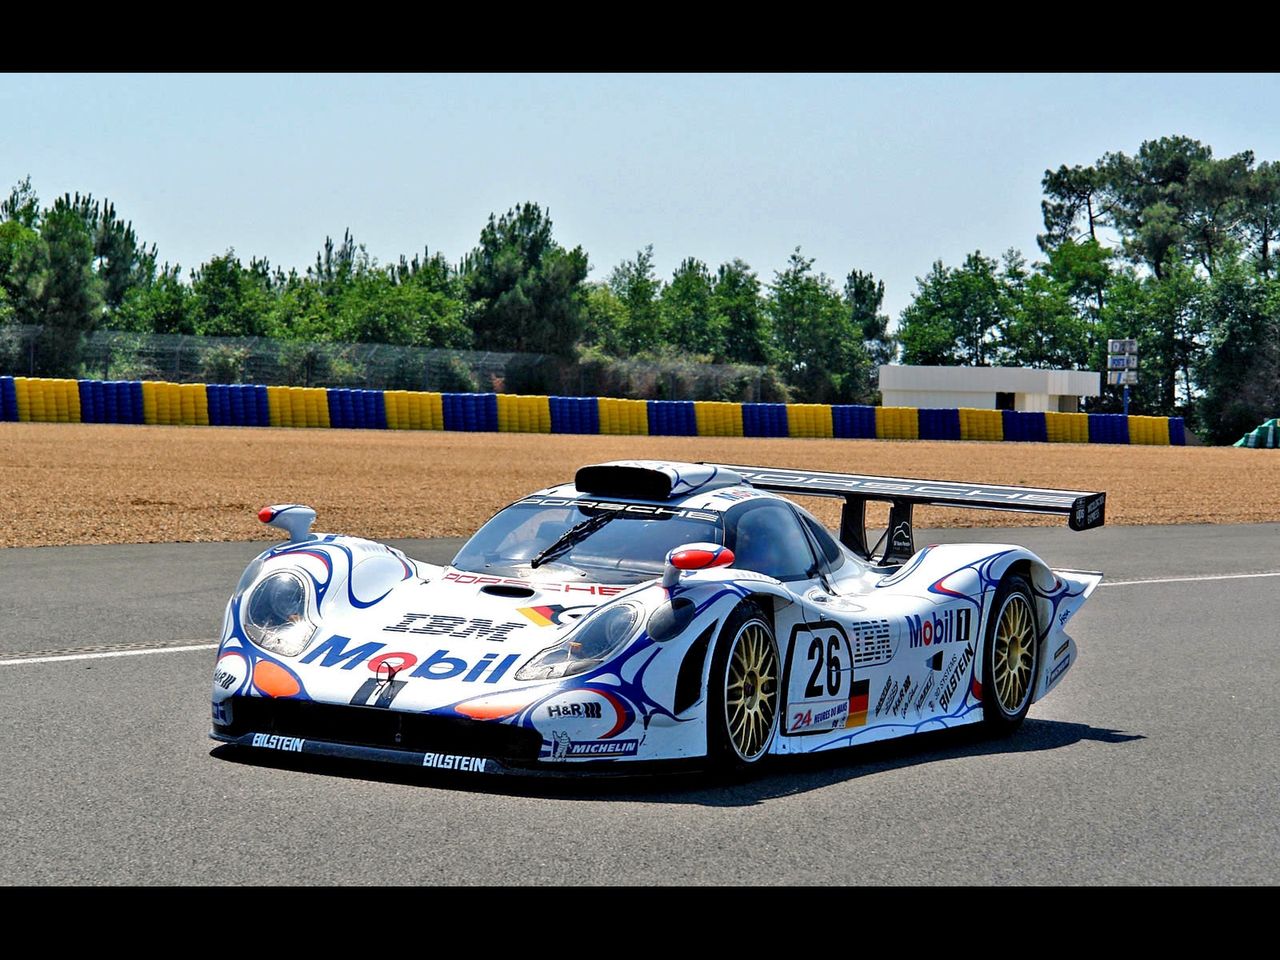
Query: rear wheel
[1012,658]
[744,683]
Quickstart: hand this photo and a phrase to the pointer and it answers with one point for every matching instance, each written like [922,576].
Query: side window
[766,537]
[831,552]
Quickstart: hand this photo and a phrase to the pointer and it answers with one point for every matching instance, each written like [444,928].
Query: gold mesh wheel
[1014,655]
[751,691]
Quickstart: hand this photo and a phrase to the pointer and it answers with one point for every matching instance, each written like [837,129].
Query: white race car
[647,614]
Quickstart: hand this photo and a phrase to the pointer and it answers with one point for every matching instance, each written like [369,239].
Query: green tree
[70,302]
[955,314]
[1240,369]
[230,300]
[1261,216]
[690,322]
[1072,205]
[822,353]
[1041,328]
[1083,270]
[375,309]
[864,295]
[1173,201]
[22,206]
[24,269]
[525,290]
[638,288]
[159,305]
[121,261]
[605,320]
[1164,314]
[737,304]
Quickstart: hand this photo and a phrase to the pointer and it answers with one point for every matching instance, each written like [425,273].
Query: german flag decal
[542,616]
[858,704]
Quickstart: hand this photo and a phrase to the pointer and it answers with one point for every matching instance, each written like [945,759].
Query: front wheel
[1012,657]
[743,702]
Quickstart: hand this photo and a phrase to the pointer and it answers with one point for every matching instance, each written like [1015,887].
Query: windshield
[631,546]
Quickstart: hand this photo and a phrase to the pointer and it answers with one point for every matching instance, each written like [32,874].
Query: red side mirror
[695,556]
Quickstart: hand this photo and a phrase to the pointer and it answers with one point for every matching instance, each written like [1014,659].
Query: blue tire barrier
[8,399]
[853,422]
[667,418]
[224,405]
[587,414]
[350,416]
[262,407]
[939,424]
[237,411]
[99,390]
[110,402]
[1026,426]
[469,411]
[88,410]
[333,400]
[212,396]
[135,402]
[487,412]
[564,415]
[1177,432]
[1108,428]
[765,420]
[337,416]
[454,412]
[376,409]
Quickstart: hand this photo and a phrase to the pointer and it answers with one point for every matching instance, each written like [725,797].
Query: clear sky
[882,172]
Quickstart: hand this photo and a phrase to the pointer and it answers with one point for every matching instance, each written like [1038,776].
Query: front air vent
[610,480]
[506,590]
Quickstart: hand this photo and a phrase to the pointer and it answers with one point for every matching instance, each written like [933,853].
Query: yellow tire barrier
[809,420]
[1149,430]
[623,417]
[981,424]
[1067,427]
[897,423]
[717,419]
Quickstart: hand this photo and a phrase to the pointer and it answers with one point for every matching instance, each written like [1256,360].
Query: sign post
[1122,366]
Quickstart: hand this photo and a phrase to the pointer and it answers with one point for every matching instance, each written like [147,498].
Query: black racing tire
[1011,656]
[744,691]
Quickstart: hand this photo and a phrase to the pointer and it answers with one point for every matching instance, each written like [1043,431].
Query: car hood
[430,641]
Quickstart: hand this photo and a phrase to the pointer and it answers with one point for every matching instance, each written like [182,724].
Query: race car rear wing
[1083,510]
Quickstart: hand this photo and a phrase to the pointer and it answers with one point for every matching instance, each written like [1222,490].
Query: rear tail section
[1056,608]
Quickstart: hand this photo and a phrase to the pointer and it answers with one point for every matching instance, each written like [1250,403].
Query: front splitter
[454,763]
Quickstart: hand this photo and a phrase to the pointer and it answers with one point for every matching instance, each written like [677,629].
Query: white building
[987,388]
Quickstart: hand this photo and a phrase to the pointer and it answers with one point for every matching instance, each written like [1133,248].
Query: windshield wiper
[575,534]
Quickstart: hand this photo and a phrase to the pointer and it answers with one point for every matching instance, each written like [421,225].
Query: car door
[769,537]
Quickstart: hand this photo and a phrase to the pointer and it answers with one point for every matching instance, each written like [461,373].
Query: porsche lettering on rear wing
[1084,510]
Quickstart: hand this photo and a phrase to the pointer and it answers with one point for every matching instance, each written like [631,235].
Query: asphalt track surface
[1154,762]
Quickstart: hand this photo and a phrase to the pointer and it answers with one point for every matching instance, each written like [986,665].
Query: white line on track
[1220,576]
[18,661]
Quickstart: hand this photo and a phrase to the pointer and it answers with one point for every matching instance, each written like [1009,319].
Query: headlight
[590,644]
[276,617]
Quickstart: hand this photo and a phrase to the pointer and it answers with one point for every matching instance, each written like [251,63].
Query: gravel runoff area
[94,483]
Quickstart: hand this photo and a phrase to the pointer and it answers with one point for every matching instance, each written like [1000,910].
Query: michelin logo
[563,748]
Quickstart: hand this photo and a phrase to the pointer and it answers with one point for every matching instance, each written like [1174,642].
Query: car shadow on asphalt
[780,777]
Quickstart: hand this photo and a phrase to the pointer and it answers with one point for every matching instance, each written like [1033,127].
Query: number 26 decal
[832,662]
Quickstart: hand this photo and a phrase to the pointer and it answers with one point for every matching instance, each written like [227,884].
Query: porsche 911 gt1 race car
[648,613]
